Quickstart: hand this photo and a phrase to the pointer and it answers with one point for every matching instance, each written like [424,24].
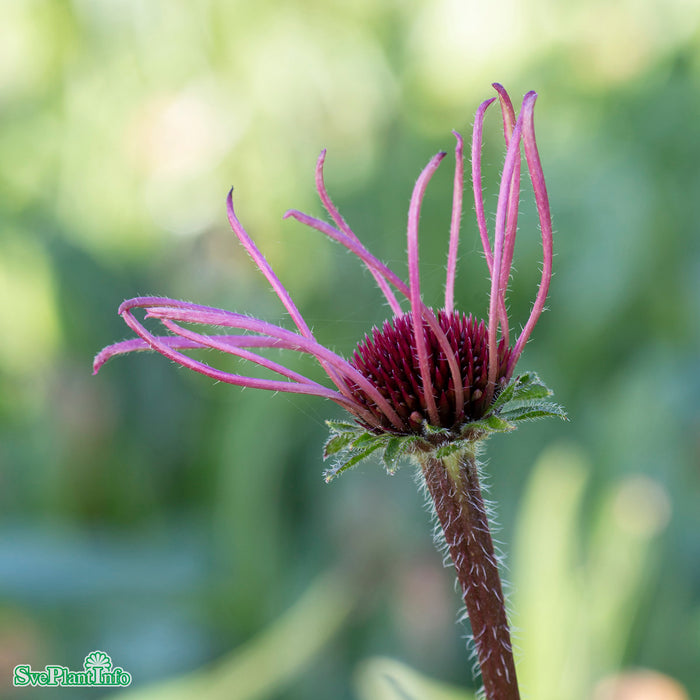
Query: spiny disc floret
[387,357]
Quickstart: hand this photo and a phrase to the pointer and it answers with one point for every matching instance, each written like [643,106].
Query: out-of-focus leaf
[632,515]
[268,662]
[386,679]
[575,598]
[546,597]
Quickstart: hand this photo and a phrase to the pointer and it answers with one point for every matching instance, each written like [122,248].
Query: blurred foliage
[266,663]
[575,602]
[172,522]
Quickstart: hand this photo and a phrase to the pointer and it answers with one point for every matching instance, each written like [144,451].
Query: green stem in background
[453,484]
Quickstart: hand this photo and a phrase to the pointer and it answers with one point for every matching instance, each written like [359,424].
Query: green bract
[524,398]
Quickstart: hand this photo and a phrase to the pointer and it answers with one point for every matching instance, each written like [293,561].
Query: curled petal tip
[528,107]
[288,213]
[502,94]
[102,357]
[458,136]
[229,208]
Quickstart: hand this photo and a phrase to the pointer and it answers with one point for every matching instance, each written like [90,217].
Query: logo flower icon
[97,659]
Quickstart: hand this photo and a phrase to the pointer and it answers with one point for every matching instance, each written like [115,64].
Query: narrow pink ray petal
[509,248]
[445,346]
[506,110]
[477,136]
[372,263]
[228,319]
[227,377]
[353,245]
[513,203]
[496,298]
[215,343]
[356,247]
[188,340]
[327,358]
[542,200]
[455,222]
[343,226]
[137,345]
[142,302]
[414,283]
[222,344]
[163,307]
[265,268]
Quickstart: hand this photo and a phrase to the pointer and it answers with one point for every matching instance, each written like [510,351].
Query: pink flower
[424,369]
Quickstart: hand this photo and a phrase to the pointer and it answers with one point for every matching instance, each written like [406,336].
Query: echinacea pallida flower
[428,383]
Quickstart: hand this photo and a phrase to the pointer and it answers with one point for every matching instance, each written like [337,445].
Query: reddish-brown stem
[453,484]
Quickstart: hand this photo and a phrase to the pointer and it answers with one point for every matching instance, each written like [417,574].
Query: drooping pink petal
[343,226]
[193,313]
[222,343]
[143,302]
[372,263]
[348,379]
[168,350]
[265,268]
[513,204]
[496,298]
[136,345]
[352,244]
[356,247]
[507,111]
[216,342]
[161,307]
[414,283]
[269,274]
[455,222]
[477,137]
[542,200]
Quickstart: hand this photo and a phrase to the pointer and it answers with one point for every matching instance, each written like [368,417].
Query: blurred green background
[183,526]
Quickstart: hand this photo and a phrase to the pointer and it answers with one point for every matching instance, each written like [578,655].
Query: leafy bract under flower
[427,379]
[524,398]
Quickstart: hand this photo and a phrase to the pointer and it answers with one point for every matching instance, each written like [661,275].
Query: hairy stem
[453,484]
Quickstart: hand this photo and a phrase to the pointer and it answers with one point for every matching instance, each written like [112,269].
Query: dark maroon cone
[388,358]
